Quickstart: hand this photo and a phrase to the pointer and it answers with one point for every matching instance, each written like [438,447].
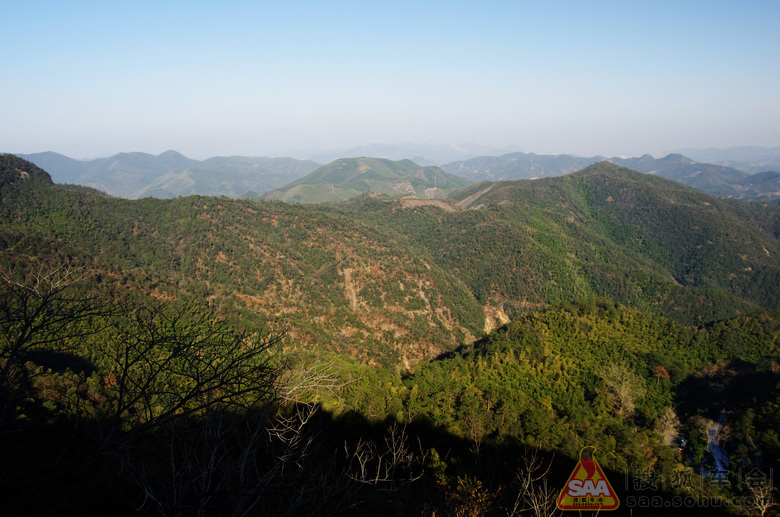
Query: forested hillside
[393,283]
[225,357]
[607,231]
[599,374]
[347,178]
[336,282]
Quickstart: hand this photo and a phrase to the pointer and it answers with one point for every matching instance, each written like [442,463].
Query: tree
[390,467]
[46,310]
[534,494]
[166,363]
[41,310]
[188,408]
[623,388]
[668,425]
[761,494]
[660,373]
[185,403]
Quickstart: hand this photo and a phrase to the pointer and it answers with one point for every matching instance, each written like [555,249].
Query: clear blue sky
[626,77]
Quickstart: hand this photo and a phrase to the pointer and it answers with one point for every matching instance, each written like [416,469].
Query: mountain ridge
[424,154]
[719,180]
[170,174]
[346,178]
[750,159]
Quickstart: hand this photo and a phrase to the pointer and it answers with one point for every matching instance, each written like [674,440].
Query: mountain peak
[676,157]
[15,171]
[170,153]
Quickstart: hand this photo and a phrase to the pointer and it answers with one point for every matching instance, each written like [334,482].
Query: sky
[206,78]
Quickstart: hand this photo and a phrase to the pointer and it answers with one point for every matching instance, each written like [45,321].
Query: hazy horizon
[336,153]
[89,79]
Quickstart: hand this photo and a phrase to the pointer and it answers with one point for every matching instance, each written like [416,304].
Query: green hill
[608,231]
[550,377]
[350,177]
[337,283]
[234,177]
[20,176]
[761,186]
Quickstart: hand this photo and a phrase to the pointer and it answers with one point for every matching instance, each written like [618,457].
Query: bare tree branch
[306,382]
[393,466]
[42,309]
[534,495]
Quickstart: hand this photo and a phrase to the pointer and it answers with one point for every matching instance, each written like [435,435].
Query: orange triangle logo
[587,488]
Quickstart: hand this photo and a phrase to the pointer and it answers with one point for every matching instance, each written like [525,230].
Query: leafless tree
[388,467]
[186,409]
[41,310]
[534,495]
[623,388]
[167,364]
[203,417]
[228,464]
[45,308]
[668,425]
[763,497]
[303,381]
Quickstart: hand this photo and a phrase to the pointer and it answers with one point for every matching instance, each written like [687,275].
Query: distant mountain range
[747,159]
[718,180]
[389,170]
[423,154]
[170,174]
[516,166]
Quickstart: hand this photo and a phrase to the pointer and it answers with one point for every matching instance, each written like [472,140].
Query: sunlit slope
[333,281]
[607,231]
